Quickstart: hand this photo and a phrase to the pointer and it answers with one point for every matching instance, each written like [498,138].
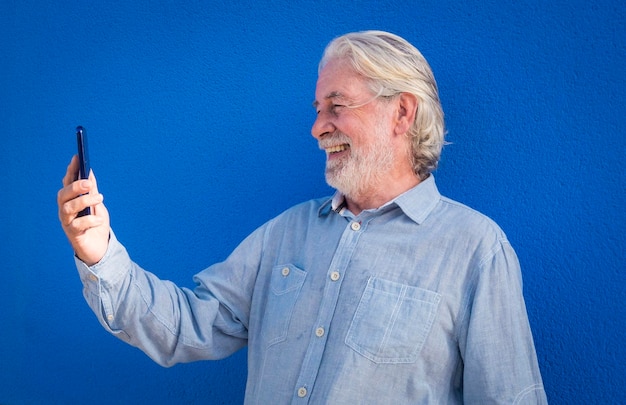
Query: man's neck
[377,196]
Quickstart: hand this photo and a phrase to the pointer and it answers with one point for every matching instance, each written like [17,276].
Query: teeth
[337,148]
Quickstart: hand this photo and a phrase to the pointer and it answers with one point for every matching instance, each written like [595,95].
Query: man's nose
[323,125]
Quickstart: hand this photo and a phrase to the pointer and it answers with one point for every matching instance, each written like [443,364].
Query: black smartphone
[83,161]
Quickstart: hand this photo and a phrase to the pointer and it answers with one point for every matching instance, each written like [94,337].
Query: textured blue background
[199,117]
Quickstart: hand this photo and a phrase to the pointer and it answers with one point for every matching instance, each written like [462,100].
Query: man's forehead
[336,81]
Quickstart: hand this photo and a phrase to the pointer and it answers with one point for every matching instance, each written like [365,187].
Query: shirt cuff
[109,271]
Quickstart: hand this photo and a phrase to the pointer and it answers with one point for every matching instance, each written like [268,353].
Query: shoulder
[459,216]
[301,215]
[467,230]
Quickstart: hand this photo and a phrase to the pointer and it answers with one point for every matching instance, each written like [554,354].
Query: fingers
[79,226]
[72,191]
[71,173]
[76,195]
[68,210]
[89,234]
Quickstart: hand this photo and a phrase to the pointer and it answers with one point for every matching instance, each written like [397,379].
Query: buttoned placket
[335,276]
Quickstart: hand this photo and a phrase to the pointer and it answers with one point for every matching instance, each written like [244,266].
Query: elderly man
[386,292]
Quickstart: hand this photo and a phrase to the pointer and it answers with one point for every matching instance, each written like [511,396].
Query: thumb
[94,182]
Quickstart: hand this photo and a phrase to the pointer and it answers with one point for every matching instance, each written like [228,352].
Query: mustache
[334,139]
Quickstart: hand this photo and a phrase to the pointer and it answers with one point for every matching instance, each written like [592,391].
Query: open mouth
[336,148]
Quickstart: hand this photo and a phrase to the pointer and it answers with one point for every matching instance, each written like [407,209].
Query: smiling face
[355,128]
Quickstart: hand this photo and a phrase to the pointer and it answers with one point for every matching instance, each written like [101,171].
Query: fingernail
[84,183]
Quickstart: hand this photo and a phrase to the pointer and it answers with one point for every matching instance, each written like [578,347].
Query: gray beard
[362,171]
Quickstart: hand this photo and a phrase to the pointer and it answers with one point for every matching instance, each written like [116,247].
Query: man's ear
[405,113]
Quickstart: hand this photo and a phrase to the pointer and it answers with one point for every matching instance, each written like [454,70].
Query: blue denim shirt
[417,302]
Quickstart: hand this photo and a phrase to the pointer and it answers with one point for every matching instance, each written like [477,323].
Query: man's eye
[333,108]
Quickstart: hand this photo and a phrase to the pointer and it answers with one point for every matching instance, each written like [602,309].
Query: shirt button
[334,276]
[355,226]
[110,318]
[302,392]
[319,332]
[285,271]
[93,278]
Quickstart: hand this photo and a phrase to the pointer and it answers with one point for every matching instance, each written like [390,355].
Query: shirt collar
[416,203]
[335,203]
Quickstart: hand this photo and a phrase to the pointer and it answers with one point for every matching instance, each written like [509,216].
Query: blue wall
[199,116]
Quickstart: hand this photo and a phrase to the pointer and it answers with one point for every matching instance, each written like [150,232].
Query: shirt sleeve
[172,324]
[500,363]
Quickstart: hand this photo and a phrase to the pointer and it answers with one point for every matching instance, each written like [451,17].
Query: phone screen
[83,161]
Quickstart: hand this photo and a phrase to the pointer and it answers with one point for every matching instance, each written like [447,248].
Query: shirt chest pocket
[392,321]
[285,284]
